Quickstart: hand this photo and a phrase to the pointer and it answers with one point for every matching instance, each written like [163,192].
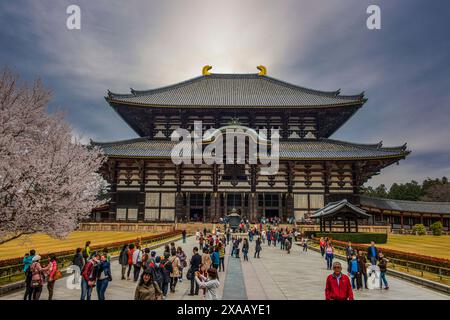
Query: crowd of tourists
[157,276]
[361,270]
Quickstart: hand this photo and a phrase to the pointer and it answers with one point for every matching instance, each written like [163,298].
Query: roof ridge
[406,201]
[97,143]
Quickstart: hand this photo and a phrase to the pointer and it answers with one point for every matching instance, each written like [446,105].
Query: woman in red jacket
[338,286]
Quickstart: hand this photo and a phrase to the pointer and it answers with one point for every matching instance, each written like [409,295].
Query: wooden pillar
[141,199]
[356,225]
[320,223]
[188,206]
[225,203]
[421,218]
[113,174]
[204,207]
[401,220]
[280,206]
[329,224]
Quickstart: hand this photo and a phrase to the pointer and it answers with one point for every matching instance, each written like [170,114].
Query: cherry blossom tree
[48,179]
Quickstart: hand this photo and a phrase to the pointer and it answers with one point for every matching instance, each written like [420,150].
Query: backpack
[167,266]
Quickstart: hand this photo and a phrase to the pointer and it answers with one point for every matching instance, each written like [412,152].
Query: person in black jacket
[123,260]
[196,260]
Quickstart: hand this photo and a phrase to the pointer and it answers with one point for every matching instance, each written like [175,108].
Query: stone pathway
[276,275]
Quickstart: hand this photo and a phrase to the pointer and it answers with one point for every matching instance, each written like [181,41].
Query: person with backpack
[130,253]
[123,259]
[88,277]
[175,273]
[27,261]
[221,248]
[103,276]
[166,268]
[87,251]
[215,258]
[37,276]
[156,271]
[137,263]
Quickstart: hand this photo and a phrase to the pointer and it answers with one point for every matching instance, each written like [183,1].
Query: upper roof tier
[235,90]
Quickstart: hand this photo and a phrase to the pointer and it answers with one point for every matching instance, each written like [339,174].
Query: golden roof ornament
[205,70]
[262,70]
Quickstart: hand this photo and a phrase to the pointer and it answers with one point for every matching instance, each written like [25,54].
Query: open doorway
[196,214]
[271,213]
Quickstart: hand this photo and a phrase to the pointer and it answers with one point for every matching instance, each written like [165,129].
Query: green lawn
[435,246]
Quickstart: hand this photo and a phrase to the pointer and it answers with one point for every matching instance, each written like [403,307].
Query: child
[305,244]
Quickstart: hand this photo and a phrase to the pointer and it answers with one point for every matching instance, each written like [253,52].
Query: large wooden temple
[313,169]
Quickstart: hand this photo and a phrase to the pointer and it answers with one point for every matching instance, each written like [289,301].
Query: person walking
[195,262]
[175,274]
[167,269]
[103,276]
[147,288]
[221,248]
[137,263]
[257,248]
[305,244]
[123,260]
[183,234]
[362,267]
[27,261]
[372,255]
[338,285]
[329,255]
[322,245]
[52,270]
[210,284]
[355,273]
[130,253]
[245,248]
[287,245]
[382,264]
[88,277]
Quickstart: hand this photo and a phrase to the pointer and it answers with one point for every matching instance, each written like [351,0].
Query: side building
[313,169]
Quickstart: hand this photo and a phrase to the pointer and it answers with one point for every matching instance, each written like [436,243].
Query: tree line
[434,190]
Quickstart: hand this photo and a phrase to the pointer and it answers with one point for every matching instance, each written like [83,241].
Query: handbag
[190,274]
[57,275]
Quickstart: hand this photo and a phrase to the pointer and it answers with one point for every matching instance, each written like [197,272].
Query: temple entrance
[196,214]
[272,213]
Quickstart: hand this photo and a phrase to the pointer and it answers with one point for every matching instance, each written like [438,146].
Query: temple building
[314,170]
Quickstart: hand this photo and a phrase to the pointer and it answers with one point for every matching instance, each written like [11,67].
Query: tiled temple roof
[406,206]
[235,90]
[302,149]
[334,208]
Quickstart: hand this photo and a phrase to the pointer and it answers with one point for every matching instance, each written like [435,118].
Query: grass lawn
[435,246]
[45,244]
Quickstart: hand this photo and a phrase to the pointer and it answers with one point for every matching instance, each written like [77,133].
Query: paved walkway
[276,275]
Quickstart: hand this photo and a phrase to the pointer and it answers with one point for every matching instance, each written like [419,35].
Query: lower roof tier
[317,149]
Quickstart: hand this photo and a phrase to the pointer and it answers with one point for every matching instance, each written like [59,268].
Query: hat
[153,253]
[158,259]
[36,258]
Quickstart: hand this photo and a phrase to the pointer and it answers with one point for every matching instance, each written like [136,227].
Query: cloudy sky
[404,68]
